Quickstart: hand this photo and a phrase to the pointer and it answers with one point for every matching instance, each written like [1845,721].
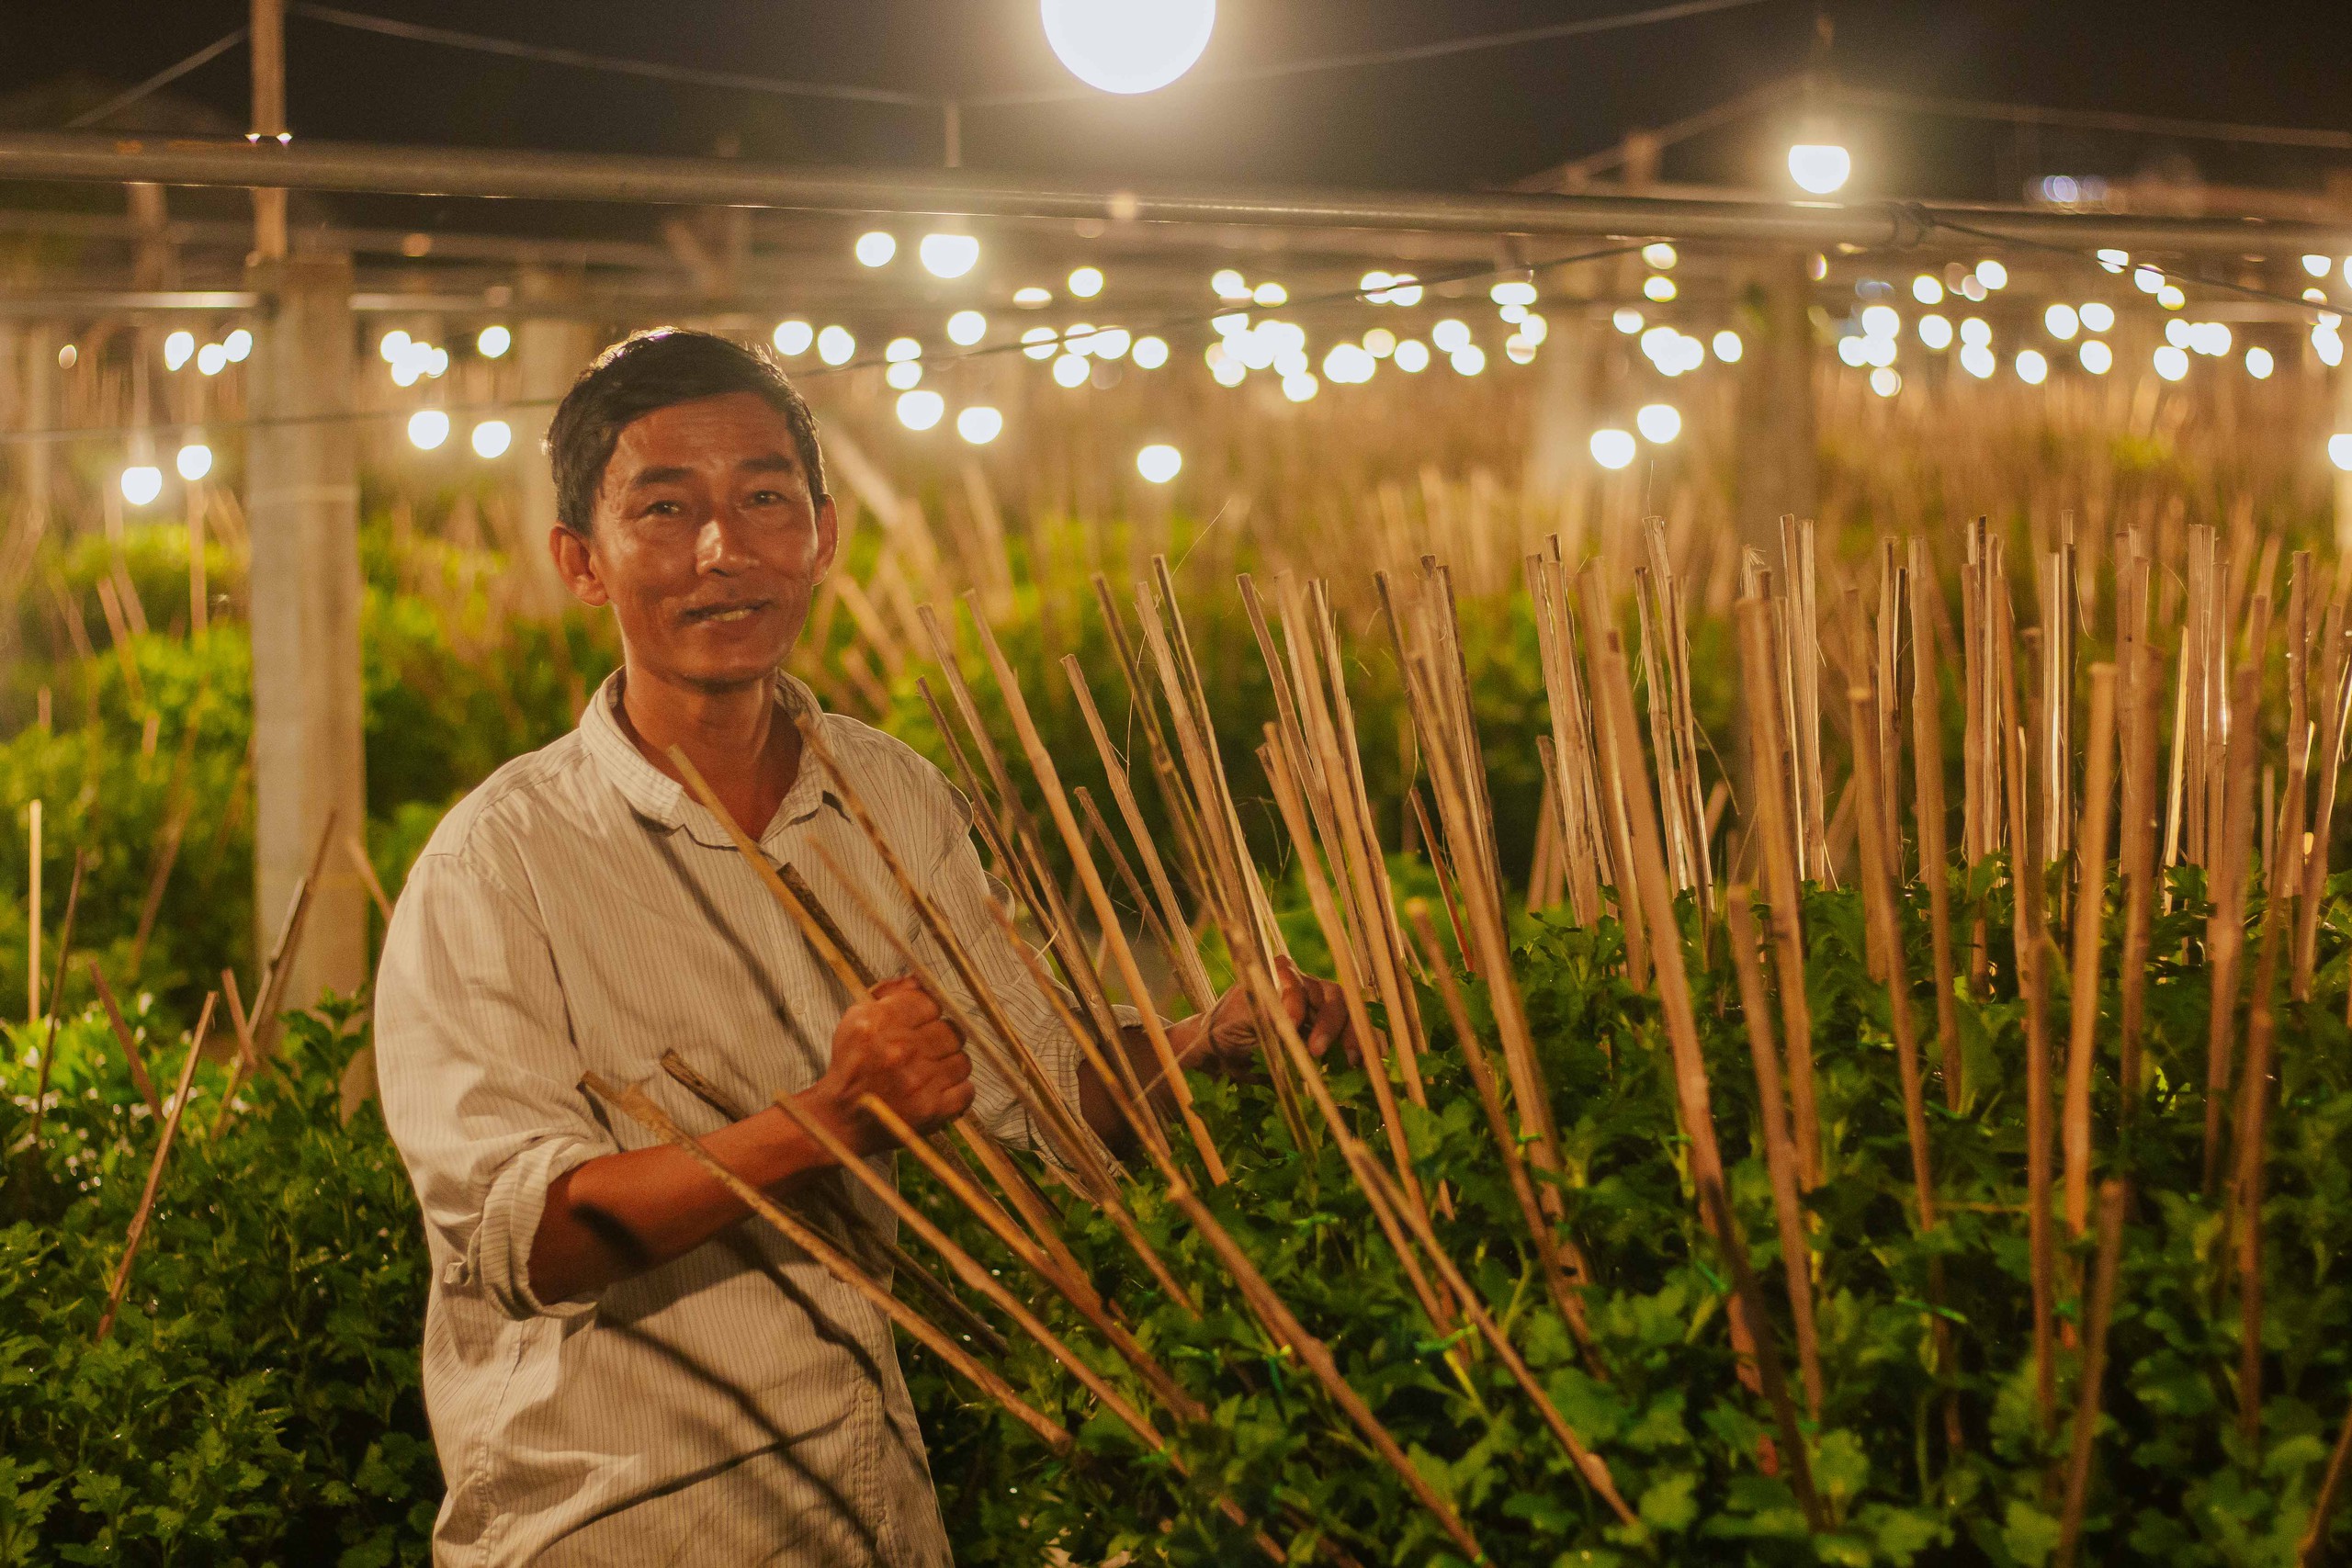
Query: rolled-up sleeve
[479,1073]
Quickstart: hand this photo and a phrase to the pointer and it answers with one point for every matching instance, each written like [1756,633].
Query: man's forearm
[1100,1107]
[620,1215]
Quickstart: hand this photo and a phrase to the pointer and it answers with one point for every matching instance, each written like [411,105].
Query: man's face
[705,544]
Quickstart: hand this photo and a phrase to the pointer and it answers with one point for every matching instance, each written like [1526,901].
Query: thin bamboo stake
[2101,1309]
[2226,929]
[56,995]
[2254,1109]
[1599,638]
[2335,692]
[121,1281]
[2139,838]
[1779,1155]
[1778,827]
[1928,782]
[2090,899]
[130,1046]
[2312,1551]
[640,1107]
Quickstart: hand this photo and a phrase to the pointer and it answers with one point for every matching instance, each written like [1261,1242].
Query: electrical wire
[163,78]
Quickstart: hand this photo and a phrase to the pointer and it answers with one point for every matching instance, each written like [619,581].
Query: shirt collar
[662,800]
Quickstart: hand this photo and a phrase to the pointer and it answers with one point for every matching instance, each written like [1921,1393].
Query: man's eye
[662,509]
[768,497]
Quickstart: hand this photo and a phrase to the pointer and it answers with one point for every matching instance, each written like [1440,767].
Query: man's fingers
[938,1038]
[1330,1022]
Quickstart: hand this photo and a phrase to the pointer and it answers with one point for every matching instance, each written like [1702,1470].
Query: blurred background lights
[2339,452]
[1727,346]
[1450,334]
[900,348]
[2147,279]
[1299,386]
[1657,286]
[1040,341]
[1975,329]
[1128,46]
[1412,355]
[2319,266]
[1626,320]
[1111,343]
[1992,274]
[142,482]
[392,345]
[1885,382]
[2032,368]
[1348,363]
[1612,448]
[948,255]
[1070,370]
[1150,353]
[2171,297]
[2172,363]
[491,438]
[2258,362]
[2328,345]
[1513,291]
[1085,283]
[1467,360]
[2096,357]
[1935,331]
[195,461]
[427,428]
[980,425]
[492,341]
[966,327]
[1659,255]
[1881,321]
[835,344]
[1535,329]
[2096,316]
[1977,360]
[875,247]
[211,359]
[2114,260]
[1380,343]
[903,375]
[237,344]
[1820,168]
[2063,322]
[1521,350]
[1160,462]
[179,348]
[794,337]
[1230,285]
[921,410]
[1658,423]
[1926,289]
[1270,295]
[1031,298]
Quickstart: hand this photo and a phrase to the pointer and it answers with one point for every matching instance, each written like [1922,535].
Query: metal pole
[726,182]
[268,49]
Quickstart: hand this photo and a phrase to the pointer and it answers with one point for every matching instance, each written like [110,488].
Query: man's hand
[1226,1038]
[895,1046]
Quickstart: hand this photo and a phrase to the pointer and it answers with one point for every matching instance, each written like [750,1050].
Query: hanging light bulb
[1820,168]
[142,482]
[1128,46]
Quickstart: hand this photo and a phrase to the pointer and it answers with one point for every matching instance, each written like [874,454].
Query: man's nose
[721,546]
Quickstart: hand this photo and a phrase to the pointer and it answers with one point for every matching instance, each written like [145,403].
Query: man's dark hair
[655,370]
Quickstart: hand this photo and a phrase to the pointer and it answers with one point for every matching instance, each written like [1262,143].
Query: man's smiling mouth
[726,613]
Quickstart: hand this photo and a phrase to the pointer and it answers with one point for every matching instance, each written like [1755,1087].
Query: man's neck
[736,737]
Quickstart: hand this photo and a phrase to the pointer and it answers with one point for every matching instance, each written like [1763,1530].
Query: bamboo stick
[2335,692]
[1778,827]
[2313,1550]
[1927,780]
[178,1112]
[642,1110]
[2138,841]
[2226,929]
[2090,898]
[130,1046]
[2101,1310]
[56,995]
[1599,638]
[1780,1155]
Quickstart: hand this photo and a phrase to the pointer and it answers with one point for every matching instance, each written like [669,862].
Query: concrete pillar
[550,352]
[1560,411]
[302,506]
[2343,426]
[1779,463]
[37,411]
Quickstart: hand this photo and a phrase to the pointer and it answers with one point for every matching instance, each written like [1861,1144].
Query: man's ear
[829,539]
[575,562]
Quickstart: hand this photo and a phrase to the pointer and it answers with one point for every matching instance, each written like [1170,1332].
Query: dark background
[1486,117]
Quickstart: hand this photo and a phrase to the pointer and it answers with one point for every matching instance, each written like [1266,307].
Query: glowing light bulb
[2319,266]
[792,338]
[393,347]
[1935,331]
[920,411]
[237,344]
[1612,448]
[1727,346]
[1349,364]
[1658,286]
[875,247]
[1450,335]
[178,349]
[1926,289]
[1467,360]
[2258,362]
[1513,291]
[1111,343]
[980,425]
[2096,357]
[1659,255]
[427,428]
[1160,462]
[1626,320]
[1977,359]
[903,376]
[1128,46]
[1041,343]
[2339,452]
[1086,282]
[195,461]
[1150,353]
[1033,297]
[1819,167]
[2032,368]
[2171,297]
[1270,295]
[1299,386]
[2172,363]
[1992,274]
[1412,355]
[1885,382]
[948,255]
[835,344]
[1230,285]
[492,341]
[1658,423]
[492,437]
[2098,316]
[900,348]
[1881,321]
[966,327]
[142,482]
[1070,370]
[211,359]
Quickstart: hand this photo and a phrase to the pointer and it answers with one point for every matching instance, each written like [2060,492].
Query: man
[618,1371]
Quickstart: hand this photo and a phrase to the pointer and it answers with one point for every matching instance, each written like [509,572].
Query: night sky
[1482,118]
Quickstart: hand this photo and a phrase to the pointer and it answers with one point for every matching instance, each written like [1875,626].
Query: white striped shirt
[580,911]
